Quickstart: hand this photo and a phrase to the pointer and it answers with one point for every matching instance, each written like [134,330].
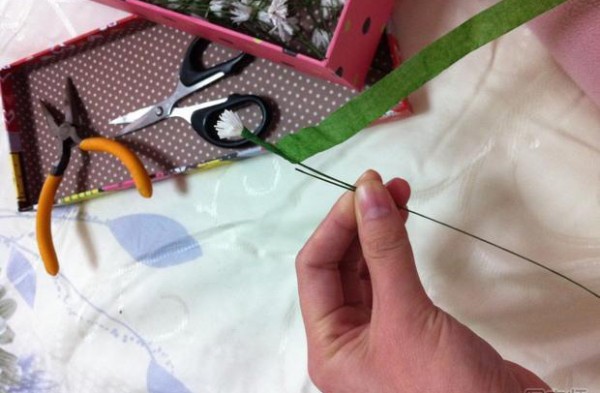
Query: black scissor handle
[193,71]
[204,121]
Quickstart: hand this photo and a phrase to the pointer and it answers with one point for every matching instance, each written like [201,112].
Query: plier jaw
[67,138]
[66,132]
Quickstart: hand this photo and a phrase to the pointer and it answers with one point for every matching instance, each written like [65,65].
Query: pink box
[33,149]
[348,57]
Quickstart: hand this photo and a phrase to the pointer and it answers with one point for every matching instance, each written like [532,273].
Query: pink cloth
[572,33]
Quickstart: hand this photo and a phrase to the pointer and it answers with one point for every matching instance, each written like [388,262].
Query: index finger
[317,264]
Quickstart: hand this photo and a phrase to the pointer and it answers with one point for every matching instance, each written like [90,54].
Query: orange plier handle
[44,213]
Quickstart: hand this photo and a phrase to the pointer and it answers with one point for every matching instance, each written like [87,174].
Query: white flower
[217,6]
[320,38]
[173,6]
[240,12]
[278,10]
[277,16]
[329,7]
[263,16]
[285,29]
[230,125]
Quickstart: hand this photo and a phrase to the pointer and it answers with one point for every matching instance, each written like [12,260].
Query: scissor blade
[151,117]
[131,116]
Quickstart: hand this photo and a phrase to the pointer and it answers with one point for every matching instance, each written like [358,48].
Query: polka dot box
[131,64]
[348,58]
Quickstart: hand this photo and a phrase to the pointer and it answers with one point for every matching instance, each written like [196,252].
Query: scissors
[193,76]
[68,136]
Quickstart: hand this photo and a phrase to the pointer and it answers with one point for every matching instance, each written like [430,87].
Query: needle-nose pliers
[68,135]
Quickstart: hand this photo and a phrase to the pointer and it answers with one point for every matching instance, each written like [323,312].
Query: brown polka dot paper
[132,65]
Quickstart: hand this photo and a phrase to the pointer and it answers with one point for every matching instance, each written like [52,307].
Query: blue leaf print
[160,381]
[155,240]
[21,274]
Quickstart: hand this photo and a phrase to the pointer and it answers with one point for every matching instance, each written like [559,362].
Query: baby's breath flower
[230,125]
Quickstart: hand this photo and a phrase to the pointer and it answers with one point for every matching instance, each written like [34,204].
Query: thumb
[397,290]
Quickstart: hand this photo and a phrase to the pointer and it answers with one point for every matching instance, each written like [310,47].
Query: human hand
[370,325]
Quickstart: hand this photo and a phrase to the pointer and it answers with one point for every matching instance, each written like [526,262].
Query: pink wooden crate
[348,57]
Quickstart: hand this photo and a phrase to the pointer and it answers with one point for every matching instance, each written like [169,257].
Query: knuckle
[386,243]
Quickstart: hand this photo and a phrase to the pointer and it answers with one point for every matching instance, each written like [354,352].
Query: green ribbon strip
[369,106]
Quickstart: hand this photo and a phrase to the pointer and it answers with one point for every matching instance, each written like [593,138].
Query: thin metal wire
[327,180]
[326,176]
[331,180]
[503,249]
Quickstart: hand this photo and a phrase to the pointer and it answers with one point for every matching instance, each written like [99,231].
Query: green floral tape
[364,109]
